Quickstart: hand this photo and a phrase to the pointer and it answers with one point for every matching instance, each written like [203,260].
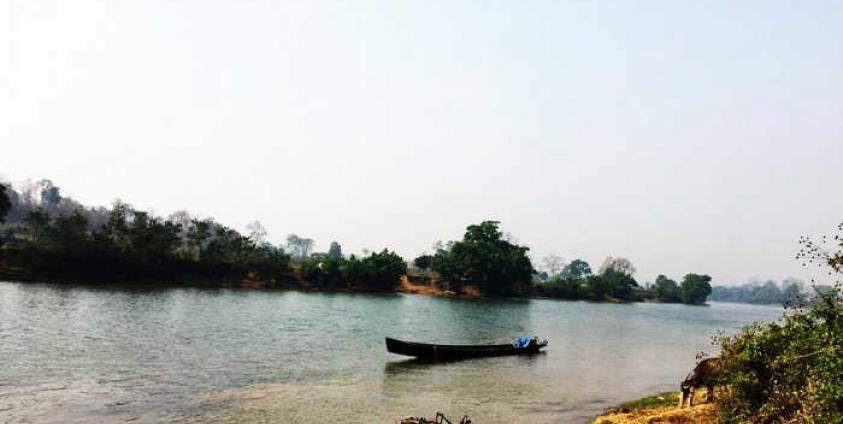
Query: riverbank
[661,408]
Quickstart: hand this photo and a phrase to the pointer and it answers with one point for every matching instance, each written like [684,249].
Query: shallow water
[110,355]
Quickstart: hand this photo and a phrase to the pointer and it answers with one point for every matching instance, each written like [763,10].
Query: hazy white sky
[687,136]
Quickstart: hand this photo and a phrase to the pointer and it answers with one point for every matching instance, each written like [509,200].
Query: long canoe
[445,352]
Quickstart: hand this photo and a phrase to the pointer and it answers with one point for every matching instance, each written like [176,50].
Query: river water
[88,354]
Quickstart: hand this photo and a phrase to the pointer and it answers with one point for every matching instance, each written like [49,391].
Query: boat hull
[446,352]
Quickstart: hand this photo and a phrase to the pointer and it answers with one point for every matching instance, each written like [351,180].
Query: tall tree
[484,258]
[50,194]
[335,251]
[257,233]
[621,265]
[577,269]
[299,246]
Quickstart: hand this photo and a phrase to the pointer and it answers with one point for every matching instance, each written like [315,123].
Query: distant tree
[577,269]
[695,289]
[50,194]
[553,264]
[5,202]
[792,294]
[620,265]
[423,261]
[299,246]
[484,258]
[335,251]
[666,290]
[257,233]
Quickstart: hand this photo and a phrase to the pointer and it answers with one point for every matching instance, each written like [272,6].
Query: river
[78,353]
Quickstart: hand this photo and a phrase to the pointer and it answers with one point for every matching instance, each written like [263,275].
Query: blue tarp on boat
[522,341]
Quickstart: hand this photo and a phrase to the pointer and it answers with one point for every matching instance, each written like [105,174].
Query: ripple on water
[111,355]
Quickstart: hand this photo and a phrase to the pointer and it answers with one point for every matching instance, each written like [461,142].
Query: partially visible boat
[445,352]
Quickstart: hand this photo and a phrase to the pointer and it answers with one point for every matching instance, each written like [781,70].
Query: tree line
[487,259]
[787,292]
[60,238]
[46,236]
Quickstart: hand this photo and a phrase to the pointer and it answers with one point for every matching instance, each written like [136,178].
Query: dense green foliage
[578,268]
[695,289]
[666,290]
[769,293]
[134,245]
[379,271]
[615,282]
[790,371]
[55,237]
[423,261]
[486,260]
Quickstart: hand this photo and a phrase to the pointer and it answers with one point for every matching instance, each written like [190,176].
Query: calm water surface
[111,355]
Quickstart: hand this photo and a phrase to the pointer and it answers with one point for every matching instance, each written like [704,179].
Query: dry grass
[701,414]
[663,408]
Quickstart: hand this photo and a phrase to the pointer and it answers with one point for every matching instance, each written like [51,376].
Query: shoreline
[660,407]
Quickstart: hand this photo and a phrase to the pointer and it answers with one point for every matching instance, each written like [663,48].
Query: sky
[686,136]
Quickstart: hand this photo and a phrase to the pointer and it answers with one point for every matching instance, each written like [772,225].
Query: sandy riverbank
[661,408]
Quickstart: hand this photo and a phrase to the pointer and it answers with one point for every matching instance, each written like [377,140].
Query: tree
[335,251]
[553,263]
[5,202]
[621,265]
[257,233]
[596,287]
[423,261]
[620,285]
[50,194]
[484,258]
[666,290]
[577,269]
[299,246]
[378,271]
[695,289]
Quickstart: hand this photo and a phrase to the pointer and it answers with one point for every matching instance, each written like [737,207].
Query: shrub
[788,371]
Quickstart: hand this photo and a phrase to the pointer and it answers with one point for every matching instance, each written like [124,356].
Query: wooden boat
[445,352]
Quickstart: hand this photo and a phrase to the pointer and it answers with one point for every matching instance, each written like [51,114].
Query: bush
[788,371]
[378,271]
